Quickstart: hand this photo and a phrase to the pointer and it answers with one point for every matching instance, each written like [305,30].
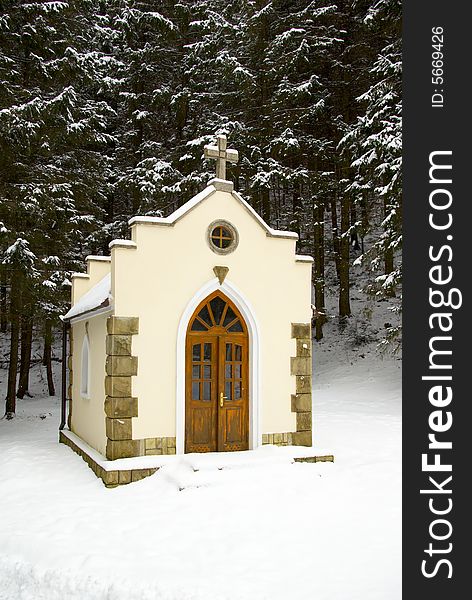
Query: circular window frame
[232,229]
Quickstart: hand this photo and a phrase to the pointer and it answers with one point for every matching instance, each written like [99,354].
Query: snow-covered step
[177,474]
[266,455]
[180,469]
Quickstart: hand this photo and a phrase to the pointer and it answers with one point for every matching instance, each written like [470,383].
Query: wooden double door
[217,400]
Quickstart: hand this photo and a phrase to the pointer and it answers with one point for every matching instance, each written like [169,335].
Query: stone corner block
[110,478]
[303,347]
[304,421]
[124,448]
[118,345]
[123,325]
[303,384]
[122,366]
[302,438]
[301,403]
[118,429]
[300,365]
[301,330]
[118,387]
[121,407]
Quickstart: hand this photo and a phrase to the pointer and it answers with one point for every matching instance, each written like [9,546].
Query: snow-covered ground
[274,530]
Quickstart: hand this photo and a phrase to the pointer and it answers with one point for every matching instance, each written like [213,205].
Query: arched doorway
[216,375]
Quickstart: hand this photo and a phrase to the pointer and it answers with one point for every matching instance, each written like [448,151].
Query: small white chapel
[194,335]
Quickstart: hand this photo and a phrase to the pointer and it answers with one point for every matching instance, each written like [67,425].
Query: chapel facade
[194,335]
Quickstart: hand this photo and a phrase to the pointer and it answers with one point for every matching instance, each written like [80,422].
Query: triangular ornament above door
[221,273]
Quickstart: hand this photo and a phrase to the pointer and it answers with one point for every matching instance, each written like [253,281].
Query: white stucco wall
[97,268]
[156,280]
[88,414]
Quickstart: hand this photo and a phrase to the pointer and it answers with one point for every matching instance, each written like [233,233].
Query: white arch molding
[243,305]
[85,368]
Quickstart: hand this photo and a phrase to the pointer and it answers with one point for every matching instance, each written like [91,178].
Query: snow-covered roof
[122,244]
[206,193]
[304,258]
[98,258]
[99,296]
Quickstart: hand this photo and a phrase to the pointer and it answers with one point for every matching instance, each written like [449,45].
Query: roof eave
[104,307]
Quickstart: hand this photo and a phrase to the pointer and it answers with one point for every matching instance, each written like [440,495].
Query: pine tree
[54,147]
[374,143]
[105,106]
[19,262]
[142,173]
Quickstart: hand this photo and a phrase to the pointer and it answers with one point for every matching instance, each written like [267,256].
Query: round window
[222,237]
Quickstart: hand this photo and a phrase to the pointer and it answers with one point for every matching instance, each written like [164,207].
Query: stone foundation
[278,439]
[125,476]
[315,459]
[159,446]
[109,478]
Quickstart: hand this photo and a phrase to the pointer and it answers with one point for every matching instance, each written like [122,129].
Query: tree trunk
[388,260]
[335,233]
[236,176]
[265,205]
[48,357]
[318,242]
[388,265]
[354,237]
[297,214]
[364,220]
[3,300]
[15,303]
[344,300]
[25,362]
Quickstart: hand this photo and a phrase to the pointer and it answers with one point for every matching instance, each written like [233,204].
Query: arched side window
[85,368]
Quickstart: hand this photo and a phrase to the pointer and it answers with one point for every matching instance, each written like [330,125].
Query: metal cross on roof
[222,155]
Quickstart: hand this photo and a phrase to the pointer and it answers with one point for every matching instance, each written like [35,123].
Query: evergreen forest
[106,105]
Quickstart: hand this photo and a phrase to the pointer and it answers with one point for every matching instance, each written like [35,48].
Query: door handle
[222,397]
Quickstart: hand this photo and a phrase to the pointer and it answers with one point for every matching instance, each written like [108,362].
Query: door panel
[201,427]
[233,414]
[217,400]
[233,425]
[201,394]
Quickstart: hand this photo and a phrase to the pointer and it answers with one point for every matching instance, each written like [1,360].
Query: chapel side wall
[88,414]
[166,270]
